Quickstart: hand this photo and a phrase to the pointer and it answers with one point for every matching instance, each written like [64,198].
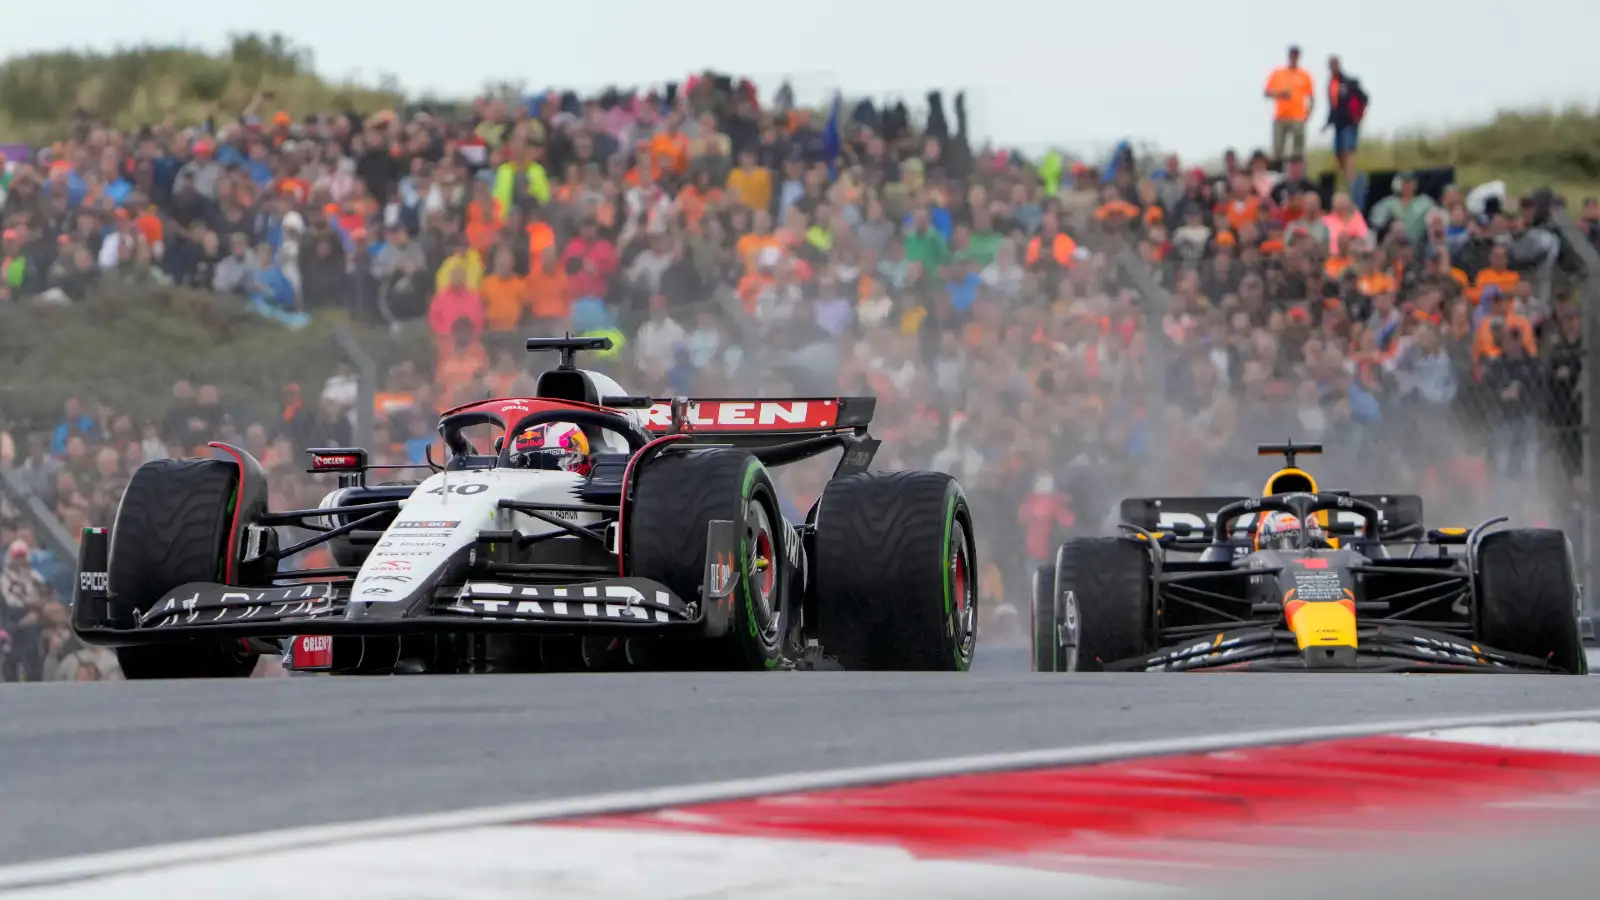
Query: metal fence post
[1577,243]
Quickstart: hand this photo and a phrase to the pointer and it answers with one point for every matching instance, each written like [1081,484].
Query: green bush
[142,85]
[1527,149]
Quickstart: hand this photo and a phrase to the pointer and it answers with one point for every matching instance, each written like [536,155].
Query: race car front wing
[498,603]
[1382,648]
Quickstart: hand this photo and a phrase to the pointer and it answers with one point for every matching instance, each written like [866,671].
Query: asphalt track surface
[115,765]
[1548,863]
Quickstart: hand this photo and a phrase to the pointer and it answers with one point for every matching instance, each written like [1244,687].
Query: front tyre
[1528,597]
[1055,624]
[1043,603]
[897,584]
[1105,585]
[172,528]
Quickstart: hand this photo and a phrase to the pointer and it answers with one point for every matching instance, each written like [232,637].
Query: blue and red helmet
[558,445]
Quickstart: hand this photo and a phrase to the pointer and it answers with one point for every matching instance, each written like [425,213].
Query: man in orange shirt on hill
[1294,94]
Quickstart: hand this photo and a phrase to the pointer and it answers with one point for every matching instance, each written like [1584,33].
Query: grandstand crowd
[734,245]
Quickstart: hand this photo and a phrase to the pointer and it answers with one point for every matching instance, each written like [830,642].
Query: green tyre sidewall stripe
[772,655]
[952,504]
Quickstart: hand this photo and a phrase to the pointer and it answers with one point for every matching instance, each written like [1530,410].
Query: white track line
[79,868]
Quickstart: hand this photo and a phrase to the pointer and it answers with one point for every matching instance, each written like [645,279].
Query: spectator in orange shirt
[759,238]
[1497,274]
[541,236]
[503,293]
[1294,94]
[1371,278]
[669,148]
[484,217]
[1502,318]
[1051,246]
[549,296]
[1243,204]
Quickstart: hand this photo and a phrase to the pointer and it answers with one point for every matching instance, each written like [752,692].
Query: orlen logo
[346,461]
[92,581]
[796,415]
[312,652]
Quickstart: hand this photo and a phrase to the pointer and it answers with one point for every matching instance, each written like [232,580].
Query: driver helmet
[1281,531]
[558,445]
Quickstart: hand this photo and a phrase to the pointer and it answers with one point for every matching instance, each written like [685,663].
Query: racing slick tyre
[676,497]
[1528,596]
[1055,625]
[1043,597]
[897,587]
[172,528]
[1106,582]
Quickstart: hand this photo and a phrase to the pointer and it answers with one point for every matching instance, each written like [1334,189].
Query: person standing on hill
[1291,89]
[1347,106]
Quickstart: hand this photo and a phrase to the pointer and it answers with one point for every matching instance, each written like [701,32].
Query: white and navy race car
[646,534]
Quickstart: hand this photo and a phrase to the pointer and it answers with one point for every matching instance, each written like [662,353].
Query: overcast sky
[1187,75]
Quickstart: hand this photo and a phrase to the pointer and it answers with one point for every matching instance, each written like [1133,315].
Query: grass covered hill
[133,86]
[1530,149]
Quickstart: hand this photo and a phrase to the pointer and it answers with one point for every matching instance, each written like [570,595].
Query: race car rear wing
[753,418]
[778,432]
[1402,514]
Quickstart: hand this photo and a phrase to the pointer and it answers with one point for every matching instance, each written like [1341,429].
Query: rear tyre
[675,499]
[1105,581]
[1528,597]
[172,528]
[897,587]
